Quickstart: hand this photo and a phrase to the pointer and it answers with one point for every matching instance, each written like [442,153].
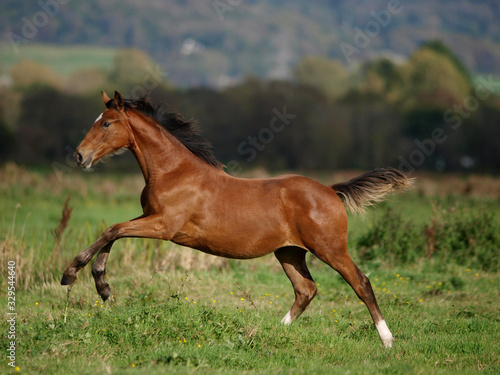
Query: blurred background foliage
[359,119]
[235,74]
[197,41]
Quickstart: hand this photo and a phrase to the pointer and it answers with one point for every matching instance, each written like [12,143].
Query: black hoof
[105,292]
[68,280]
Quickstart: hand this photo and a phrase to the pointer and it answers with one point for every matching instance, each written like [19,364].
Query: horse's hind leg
[340,260]
[99,272]
[293,261]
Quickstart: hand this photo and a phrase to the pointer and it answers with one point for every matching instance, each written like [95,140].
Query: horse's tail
[371,187]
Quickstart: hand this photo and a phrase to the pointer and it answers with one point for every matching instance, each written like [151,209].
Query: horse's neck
[157,151]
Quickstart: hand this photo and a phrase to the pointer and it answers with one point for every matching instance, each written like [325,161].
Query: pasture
[63,60]
[175,310]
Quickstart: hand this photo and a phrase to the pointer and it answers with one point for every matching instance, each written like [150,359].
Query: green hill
[213,42]
[62,59]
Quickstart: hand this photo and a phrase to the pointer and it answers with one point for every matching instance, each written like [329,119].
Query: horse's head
[110,134]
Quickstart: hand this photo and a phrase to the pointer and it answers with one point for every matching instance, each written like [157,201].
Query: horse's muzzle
[83,163]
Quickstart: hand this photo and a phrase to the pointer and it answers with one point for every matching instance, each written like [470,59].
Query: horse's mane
[185,131]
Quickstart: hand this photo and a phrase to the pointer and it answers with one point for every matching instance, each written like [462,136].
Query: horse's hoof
[105,292]
[68,280]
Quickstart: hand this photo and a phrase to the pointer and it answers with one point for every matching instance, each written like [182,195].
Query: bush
[453,235]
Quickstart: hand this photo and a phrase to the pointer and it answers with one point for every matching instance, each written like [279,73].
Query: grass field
[175,310]
[63,60]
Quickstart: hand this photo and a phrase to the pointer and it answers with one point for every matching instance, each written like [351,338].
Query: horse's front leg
[81,260]
[145,227]
[99,269]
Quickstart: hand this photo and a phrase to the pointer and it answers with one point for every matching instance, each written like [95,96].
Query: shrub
[453,235]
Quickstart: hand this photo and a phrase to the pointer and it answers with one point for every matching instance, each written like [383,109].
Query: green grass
[64,60]
[163,322]
[175,310]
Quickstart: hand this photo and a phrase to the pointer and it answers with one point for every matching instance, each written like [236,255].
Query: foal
[189,200]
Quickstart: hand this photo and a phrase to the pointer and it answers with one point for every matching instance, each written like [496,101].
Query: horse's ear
[118,101]
[105,97]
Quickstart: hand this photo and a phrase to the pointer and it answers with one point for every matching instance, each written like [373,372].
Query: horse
[190,200]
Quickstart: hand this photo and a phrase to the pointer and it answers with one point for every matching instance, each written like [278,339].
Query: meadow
[64,60]
[431,255]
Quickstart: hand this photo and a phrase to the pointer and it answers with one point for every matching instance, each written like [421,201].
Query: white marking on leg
[385,334]
[97,119]
[287,319]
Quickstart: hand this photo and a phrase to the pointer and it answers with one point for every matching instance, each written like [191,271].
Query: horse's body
[188,199]
[225,215]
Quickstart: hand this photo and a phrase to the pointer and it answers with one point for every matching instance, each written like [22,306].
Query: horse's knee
[110,233]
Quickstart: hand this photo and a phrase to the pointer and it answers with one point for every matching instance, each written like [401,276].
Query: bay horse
[189,200]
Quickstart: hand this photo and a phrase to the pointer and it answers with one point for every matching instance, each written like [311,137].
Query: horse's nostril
[78,157]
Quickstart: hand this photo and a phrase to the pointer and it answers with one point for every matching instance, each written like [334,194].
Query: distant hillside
[214,42]
[65,60]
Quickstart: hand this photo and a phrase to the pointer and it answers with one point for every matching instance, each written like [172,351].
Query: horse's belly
[248,223]
[243,245]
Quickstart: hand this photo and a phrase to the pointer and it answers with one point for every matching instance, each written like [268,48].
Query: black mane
[184,130]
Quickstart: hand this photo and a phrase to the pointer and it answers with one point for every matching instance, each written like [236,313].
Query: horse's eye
[106,125]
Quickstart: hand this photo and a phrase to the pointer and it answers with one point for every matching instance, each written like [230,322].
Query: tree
[130,68]
[374,127]
[383,78]
[10,107]
[329,76]
[443,50]
[7,143]
[27,73]
[51,124]
[430,77]
[86,80]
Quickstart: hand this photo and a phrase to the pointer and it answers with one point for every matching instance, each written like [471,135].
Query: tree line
[425,114]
